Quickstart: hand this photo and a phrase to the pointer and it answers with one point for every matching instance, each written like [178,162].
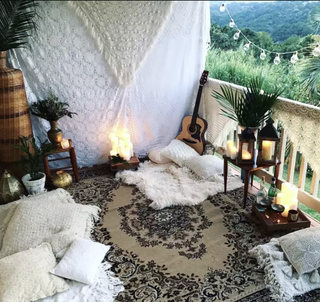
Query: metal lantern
[246,147]
[10,188]
[268,143]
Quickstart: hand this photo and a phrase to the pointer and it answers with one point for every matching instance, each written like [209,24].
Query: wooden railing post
[292,163]
[303,173]
[282,151]
[314,184]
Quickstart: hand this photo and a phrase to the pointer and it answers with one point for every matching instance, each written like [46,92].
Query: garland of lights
[294,59]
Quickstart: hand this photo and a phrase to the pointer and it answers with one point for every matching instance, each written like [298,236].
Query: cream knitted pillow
[25,276]
[51,217]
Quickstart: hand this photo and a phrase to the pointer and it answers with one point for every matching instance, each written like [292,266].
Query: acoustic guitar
[194,127]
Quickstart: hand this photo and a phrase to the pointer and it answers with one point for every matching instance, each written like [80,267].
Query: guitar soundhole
[192,129]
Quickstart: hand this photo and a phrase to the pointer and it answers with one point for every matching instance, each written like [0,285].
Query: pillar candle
[230,145]
[126,138]
[233,154]
[246,154]
[65,143]
[285,188]
[126,154]
[130,147]
[280,199]
[266,150]
[113,153]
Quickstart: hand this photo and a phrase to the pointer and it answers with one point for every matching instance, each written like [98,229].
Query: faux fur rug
[167,185]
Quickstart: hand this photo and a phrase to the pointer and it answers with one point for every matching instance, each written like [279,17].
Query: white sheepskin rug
[168,185]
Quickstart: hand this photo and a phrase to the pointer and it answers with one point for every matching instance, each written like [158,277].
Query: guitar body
[195,139]
[194,127]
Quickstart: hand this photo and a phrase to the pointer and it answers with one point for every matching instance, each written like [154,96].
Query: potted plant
[31,162]
[249,107]
[51,109]
[17,22]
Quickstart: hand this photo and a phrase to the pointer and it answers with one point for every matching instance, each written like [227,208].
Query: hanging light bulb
[263,55]
[231,24]
[237,35]
[222,7]
[277,59]
[246,47]
[316,51]
[294,59]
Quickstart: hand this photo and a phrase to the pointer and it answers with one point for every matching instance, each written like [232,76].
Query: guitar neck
[196,107]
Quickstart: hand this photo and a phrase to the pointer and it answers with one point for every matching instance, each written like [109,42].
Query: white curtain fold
[64,57]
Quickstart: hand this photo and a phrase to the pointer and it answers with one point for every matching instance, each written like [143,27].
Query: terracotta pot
[55,134]
[14,113]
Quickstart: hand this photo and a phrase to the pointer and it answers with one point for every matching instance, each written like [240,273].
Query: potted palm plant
[31,162]
[250,107]
[16,25]
[51,109]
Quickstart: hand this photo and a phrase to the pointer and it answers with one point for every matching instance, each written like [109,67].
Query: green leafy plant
[51,109]
[115,159]
[16,23]
[249,107]
[32,161]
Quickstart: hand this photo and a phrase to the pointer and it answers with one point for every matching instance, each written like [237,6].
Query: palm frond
[250,107]
[310,71]
[16,23]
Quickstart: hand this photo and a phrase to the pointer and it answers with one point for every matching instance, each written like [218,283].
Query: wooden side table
[72,157]
[249,169]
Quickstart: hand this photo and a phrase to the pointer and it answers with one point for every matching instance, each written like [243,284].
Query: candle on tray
[113,153]
[126,154]
[130,147]
[288,198]
[266,150]
[233,154]
[230,145]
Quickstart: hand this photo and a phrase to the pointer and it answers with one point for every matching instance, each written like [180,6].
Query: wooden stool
[73,159]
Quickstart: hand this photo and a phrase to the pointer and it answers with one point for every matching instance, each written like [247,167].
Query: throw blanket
[125,31]
[280,277]
[168,185]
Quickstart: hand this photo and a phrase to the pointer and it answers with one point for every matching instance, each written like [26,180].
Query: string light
[231,24]
[263,55]
[316,51]
[246,47]
[294,58]
[277,59]
[237,35]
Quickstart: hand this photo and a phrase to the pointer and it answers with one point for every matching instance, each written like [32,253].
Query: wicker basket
[14,113]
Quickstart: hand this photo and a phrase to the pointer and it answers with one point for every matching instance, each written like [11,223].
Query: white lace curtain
[65,57]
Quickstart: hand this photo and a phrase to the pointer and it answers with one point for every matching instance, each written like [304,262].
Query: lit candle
[246,155]
[266,150]
[114,143]
[126,154]
[233,154]
[285,188]
[126,138]
[130,147]
[293,194]
[113,153]
[230,145]
[65,144]
[280,199]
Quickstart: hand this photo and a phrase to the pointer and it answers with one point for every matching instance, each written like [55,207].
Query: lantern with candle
[268,143]
[246,147]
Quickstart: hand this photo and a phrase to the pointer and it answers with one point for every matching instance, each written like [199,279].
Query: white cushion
[156,157]
[178,151]
[302,249]
[25,276]
[81,261]
[51,217]
[205,166]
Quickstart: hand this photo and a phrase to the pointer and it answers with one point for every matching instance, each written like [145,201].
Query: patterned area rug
[180,253]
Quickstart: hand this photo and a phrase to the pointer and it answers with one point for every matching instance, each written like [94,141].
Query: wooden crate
[133,163]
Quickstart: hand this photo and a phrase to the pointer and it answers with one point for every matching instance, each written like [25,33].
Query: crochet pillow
[51,217]
[156,157]
[82,260]
[205,166]
[178,152]
[302,249]
[25,276]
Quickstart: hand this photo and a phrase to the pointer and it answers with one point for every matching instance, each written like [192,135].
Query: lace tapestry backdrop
[65,57]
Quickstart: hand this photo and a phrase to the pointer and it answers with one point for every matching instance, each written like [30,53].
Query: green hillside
[281,19]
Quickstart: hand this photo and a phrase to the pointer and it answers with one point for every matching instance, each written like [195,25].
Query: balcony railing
[300,136]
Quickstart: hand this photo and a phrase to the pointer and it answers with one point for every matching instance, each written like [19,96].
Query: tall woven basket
[14,115]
